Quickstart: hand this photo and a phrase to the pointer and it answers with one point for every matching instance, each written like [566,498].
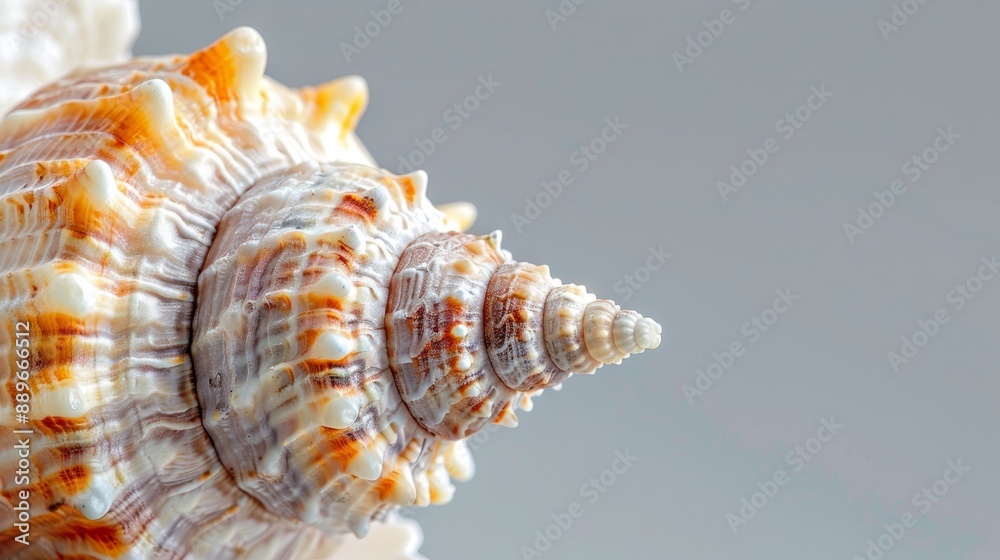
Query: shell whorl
[289,343]
[246,335]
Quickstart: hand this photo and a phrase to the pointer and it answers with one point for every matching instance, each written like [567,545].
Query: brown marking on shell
[361,206]
[316,367]
[125,162]
[353,114]
[68,526]
[507,416]
[340,102]
[314,320]
[61,168]
[274,301]
[46,373]
[214,68]
[437,496]
[513,321]
[435,358]
[409,190]
[63,335]
[343,446]
[72,479]
[85,217]
[38,490]
[140,130]
[323,301]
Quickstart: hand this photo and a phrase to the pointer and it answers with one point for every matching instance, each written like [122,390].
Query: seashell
[243,338]
[41,40]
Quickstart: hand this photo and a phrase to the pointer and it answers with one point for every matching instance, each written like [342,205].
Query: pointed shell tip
[647,333]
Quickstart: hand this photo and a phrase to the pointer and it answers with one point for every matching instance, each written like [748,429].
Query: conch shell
[238,337]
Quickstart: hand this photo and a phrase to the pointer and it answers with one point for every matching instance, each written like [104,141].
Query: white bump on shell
[157,101]
[70,293]
[336,285]
[367,464]
[458,461]
[66,401]
[332,345]
[464,362]
[95,500]
[247,44]
[340,413]
[99,181]
[647,333]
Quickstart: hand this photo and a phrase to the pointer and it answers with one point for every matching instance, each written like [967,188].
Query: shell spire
[474,334]
[540,331]
[599,329]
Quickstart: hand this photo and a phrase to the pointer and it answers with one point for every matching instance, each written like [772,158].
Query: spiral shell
[245,339]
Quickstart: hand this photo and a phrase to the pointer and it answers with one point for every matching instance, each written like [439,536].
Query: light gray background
[656,185]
